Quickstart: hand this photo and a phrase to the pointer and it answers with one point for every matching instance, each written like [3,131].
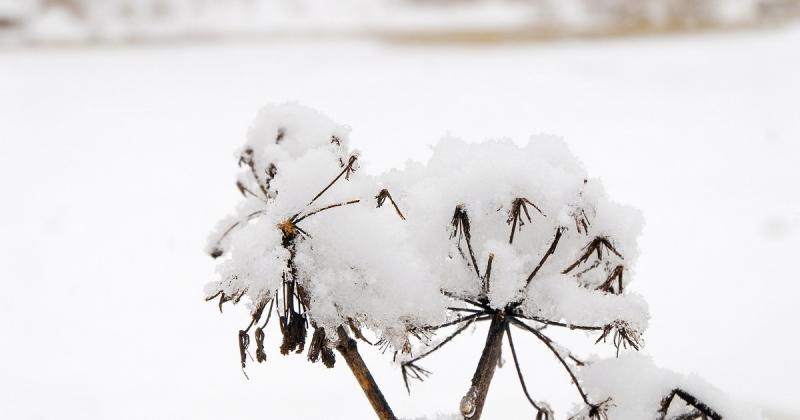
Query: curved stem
[549,343]
[519,370]
[349,350]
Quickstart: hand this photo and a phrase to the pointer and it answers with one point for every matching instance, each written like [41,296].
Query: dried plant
[431,276]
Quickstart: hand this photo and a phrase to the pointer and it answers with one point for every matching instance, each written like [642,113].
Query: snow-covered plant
[517,236]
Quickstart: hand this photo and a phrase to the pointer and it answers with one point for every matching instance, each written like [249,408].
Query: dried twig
[624,335]
[468,321]
[558,324]
[581,221]
[464,299]
[245,191]
[247,158]
[547,254]
[348,169]
[518,207]
[615,276]
[690,400]
[299,219]
[549,343]
[595,246]
[382,196]
[216,250]
[543,412]
[487,276]
[461,229]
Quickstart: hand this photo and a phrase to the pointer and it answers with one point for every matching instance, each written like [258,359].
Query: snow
[127,156]
[349,260]
[637,388]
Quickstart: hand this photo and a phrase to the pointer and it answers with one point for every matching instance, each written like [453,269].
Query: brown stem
[349,350]
[476,396]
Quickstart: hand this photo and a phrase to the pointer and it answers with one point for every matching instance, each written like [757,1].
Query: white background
[115,162]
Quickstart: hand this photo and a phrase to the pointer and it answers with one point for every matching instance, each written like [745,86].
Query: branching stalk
[549,343]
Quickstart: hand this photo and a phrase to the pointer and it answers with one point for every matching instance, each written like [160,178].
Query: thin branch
[559,324]
[518,206]
[320,210]
[595,246]
[487,276]
[608,285]
[539,410]
[466,300]
[454,322]
[581,221]
[414,372]
[549,343]
[409,368]
[460,329]
[624,335]
[461,228]
[474,311]
[547,254]
[247,158]
[690,400]
[357,331]
[346,171]
[269,312]
[217,251]
[244,191]
[382,196]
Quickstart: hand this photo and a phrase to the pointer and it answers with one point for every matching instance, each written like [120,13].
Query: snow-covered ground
[116,162]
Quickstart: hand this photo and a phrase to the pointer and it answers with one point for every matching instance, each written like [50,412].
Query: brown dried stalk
[595,246]
[473,402]
[518,206]
[549,343]
[550,251]
[581,221]
[461,229]
[705,410]
[543,412]
[624,335]
[615,276]
[216,250]
[381,198]
[348,169]
[348,348]
[247,159]
[410,369]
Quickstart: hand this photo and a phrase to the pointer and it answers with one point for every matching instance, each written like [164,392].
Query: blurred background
[119,122]
[37,21]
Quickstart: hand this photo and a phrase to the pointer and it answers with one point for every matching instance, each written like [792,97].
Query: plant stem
[486,365]
[349,350]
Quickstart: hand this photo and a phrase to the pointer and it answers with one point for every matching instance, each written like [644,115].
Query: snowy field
[115,162]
